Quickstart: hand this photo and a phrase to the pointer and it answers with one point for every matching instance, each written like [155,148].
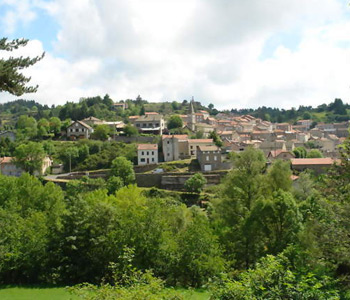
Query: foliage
[175,122]
[300,152]
[101,132]
[275,278]
[314,153]
[123,168]
[130,130]
[216,138]
[196,183]
[29,157]
[11,79]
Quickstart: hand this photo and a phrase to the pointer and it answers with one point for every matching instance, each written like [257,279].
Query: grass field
[40,293]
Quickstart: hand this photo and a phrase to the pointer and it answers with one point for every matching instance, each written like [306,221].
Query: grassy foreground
[44,293]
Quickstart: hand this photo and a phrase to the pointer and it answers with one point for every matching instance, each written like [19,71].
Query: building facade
[147,154]
[79,130]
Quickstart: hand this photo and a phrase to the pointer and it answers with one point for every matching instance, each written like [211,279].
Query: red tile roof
[147,147]
[200,140]
[312,161]
[176,136]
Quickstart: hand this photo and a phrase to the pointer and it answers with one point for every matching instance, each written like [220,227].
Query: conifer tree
[11,79]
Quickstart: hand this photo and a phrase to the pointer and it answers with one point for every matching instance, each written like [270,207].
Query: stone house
[194,143]
[79,130]
[280,154]
[147,154]
[175,147]
[92,121]
[151,123]
[209,158]
[8,167]
[120,105]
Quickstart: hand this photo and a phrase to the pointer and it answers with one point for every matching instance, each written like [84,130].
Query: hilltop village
[175,146]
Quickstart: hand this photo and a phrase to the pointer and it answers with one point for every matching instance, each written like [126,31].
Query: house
[284,126]
[209,158]
[175,147]
[132,119]
[92,121]
[194,143]
[8,134]
[225,135]
[9,168]
[267,146]
[78,130]
[280,154]
[151,123]
[205,128]
[306,123]
[147,154]
[318,165]
[120,105]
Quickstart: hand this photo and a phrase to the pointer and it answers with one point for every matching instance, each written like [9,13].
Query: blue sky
[234,54]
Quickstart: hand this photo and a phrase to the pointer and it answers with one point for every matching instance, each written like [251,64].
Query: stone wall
[136,139]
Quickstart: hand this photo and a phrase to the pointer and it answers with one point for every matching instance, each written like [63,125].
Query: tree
[11,80]
[195,183]
[314,153]
[300,152]
[123,168]
[30,157]
[101,132]
[55,125]
[279,176]
[130,130]
[216,138]
[275,222]
[175,122]
[27,126]
[67,154]
[274,277]
[240,191]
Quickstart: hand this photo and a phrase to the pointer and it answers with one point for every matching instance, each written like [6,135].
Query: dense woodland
[260,237]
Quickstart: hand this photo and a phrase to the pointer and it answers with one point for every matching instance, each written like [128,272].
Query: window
[137,125]
[168,154]
[215,157]
[142,160]
[143,153]
[191,147]
[152,152]
[157,124]
[207,157]
[153,159]
[168,142]
[147,152]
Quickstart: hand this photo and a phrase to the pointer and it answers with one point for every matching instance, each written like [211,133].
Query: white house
[147,154]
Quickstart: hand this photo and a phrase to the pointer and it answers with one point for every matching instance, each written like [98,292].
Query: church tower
[192,117]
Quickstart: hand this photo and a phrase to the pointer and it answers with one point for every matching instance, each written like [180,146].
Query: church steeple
[191,106]
[192,116]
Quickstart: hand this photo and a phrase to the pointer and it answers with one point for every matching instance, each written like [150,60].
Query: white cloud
[19,12]
[171,50]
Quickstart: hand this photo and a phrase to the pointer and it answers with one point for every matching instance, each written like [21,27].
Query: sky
[232,53]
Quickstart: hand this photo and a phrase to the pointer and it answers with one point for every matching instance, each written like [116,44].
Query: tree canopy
[11,79]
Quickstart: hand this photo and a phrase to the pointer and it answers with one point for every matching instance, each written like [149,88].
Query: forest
[261,236]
